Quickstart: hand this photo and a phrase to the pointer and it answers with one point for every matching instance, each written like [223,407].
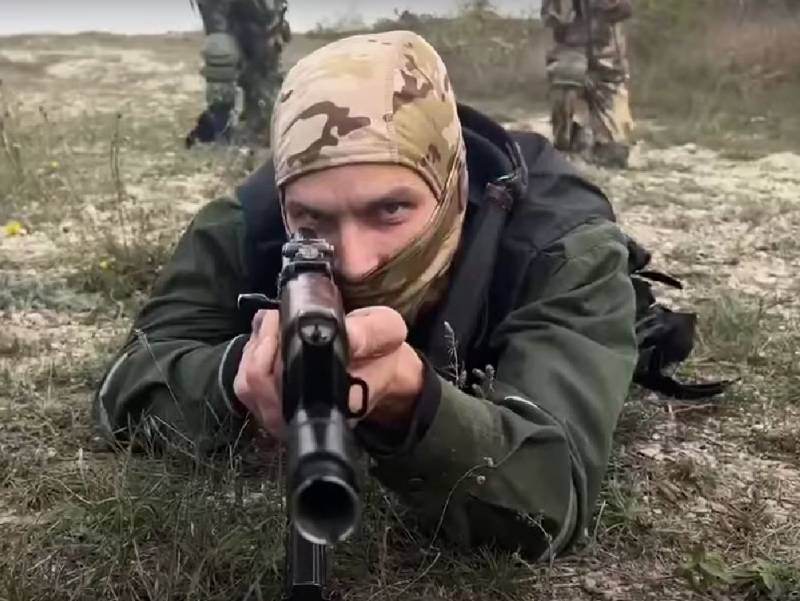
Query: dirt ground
[95,186]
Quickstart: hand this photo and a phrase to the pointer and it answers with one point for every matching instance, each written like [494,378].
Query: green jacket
[521,469]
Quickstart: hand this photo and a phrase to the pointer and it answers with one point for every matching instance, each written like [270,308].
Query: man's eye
[393,210]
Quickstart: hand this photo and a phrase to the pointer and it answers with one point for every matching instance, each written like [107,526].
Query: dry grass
[490,58]
[698,503]
[738,73]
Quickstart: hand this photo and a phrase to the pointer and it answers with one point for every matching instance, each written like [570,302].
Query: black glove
[212,126]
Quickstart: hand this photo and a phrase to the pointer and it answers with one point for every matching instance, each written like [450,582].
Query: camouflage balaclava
[380,98]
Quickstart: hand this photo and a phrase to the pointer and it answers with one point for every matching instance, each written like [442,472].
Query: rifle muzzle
[323,501]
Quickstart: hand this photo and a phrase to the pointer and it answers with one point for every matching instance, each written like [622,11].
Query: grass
[734,329]
[47,163]
[735,96]
[708,572]
[31,292]
[491,59]
[65,175]
[137,528]
[148,532]
[699,502]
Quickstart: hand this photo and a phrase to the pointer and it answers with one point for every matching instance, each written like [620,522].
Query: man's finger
[374,331]
[258,319]
[267,340]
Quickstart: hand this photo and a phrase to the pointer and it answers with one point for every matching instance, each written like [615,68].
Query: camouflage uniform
[244,40]
[588,73]
[520,467]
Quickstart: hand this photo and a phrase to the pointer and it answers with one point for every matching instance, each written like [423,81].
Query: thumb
[374,331]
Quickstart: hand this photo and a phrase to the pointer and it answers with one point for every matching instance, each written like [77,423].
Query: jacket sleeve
[170,379]
[523,469]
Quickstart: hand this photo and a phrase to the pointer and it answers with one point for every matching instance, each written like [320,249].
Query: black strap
[474,266]
[469,284]
[264,232]
[671,333]
[665,338]
[668,386]
[660,277]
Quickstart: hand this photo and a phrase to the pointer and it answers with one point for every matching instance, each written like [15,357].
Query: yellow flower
[106,264]
[54,165]
[14,228]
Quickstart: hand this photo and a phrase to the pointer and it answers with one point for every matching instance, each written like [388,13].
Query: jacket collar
[492,155]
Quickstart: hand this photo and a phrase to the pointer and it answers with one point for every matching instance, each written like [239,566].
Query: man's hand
[258,379]
[379,355]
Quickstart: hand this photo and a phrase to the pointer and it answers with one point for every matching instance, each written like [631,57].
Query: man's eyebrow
[295,204]
[397,194]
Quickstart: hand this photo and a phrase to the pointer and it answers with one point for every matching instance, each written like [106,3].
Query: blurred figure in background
[588,72]
[243,45]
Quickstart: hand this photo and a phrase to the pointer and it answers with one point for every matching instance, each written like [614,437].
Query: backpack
[664,337]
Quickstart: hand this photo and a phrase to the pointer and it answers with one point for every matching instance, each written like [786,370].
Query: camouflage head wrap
[380,98]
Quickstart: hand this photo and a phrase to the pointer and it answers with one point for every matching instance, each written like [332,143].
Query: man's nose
[354,255]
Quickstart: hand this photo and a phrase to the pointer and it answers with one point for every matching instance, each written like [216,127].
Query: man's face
[368,212]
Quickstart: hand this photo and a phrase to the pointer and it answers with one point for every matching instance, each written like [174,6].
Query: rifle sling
[470,280]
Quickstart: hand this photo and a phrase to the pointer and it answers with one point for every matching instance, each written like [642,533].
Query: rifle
[322,490]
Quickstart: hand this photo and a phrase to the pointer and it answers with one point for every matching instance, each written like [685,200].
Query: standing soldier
[588,73]
[244,40]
